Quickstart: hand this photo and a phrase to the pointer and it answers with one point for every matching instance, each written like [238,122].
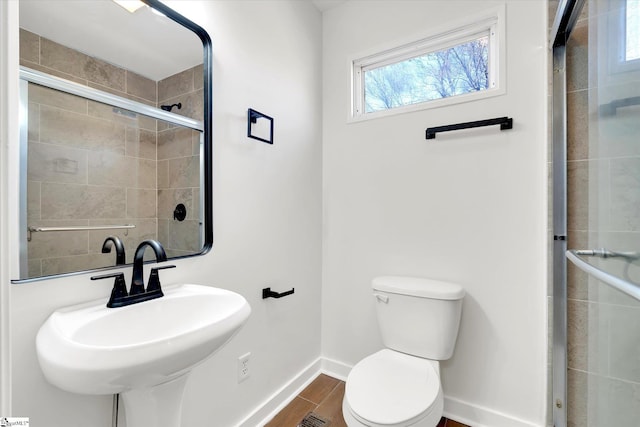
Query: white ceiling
[323,5]
[149,44]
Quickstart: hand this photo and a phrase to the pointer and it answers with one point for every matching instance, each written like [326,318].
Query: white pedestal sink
[143,351]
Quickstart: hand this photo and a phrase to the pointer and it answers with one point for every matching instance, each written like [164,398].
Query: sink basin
[92,349]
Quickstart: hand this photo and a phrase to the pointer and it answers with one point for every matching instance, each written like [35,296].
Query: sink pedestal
[158,406]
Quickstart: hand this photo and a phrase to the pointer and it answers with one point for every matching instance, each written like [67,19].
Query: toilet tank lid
[419,287]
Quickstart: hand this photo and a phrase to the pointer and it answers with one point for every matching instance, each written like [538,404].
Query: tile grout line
[329,393]
[313,410]
[324,398]
[307,400]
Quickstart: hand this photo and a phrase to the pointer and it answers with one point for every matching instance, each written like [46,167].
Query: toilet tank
[418,316]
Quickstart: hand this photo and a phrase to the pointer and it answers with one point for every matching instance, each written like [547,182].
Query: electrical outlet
[243,367]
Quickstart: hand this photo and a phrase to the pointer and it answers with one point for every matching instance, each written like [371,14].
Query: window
[461,64]
[460,69]
[619,31]
[632,30]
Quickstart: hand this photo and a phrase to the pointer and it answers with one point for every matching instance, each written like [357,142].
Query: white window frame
[491,23]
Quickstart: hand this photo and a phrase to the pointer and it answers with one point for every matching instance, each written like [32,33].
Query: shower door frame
[565,20]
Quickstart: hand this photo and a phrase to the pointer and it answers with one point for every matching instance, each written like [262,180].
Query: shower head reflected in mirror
[170,107]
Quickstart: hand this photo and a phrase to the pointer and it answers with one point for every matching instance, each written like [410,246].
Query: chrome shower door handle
[605,253]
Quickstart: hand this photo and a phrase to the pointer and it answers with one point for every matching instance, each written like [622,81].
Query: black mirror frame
[207,61]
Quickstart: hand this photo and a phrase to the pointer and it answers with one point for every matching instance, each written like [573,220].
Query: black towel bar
[611,108]
[504,122]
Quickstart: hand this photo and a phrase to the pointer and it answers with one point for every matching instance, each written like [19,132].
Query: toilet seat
[389,388]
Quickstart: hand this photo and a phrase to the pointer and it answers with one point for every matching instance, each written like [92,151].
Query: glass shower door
[604,216]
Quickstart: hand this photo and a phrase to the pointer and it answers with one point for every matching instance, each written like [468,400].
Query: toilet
[400,386]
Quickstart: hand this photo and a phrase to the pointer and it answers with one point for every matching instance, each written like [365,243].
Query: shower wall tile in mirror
[94,164]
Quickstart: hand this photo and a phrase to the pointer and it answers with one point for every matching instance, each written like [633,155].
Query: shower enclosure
[596,213]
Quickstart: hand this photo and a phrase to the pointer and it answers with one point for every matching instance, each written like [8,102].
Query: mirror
[115,133]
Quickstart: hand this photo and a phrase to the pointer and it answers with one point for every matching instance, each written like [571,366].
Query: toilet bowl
[392,389]
[399,386]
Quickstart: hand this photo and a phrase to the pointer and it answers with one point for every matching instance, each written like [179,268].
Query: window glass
[457,70]
[453,65]
[632,30]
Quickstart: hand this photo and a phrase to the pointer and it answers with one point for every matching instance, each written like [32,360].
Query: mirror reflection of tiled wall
[179,164]
[93,164]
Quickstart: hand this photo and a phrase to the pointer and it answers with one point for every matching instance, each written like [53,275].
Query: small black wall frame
[252,118]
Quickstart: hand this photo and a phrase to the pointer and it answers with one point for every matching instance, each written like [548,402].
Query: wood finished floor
[323,397]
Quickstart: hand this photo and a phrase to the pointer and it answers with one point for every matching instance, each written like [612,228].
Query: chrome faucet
[137,292]
[117,243]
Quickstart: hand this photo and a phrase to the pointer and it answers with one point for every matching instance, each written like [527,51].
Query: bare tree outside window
[458,70]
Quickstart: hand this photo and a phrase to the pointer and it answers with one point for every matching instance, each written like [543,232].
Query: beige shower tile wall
[52,58]
[75,147]
[185,87]
[179,163]
[603,205]
[150,166]
[578,168]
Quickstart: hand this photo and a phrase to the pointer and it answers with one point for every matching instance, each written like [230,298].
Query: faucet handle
[154,278]
[119,290]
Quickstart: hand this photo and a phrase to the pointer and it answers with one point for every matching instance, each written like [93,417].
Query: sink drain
[313,420]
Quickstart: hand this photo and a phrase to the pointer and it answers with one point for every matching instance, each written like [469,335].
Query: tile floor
[323,397]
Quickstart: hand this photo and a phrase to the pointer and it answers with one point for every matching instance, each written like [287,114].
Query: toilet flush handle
[382,298]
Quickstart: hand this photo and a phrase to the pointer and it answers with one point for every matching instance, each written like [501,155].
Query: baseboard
[281,398]
[335,368]
[478,416]
[454,409]
[464,412]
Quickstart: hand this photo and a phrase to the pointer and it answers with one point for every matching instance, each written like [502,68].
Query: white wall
[470,209]
[466,207]
[9,130]
[267,224]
